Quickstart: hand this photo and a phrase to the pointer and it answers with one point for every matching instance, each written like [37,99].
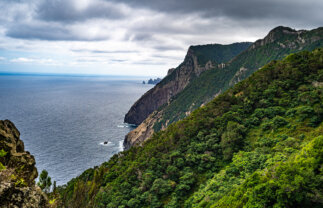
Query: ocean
[65,121]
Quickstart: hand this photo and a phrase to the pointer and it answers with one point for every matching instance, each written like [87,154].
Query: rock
[170,71]
[142,132]
[17,180]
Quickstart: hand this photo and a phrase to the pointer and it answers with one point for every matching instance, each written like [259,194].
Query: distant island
[152,81]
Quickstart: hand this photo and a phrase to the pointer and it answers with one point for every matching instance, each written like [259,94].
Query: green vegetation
[259,144]
[217,53]
[2,154]
[203,89]
[45,181]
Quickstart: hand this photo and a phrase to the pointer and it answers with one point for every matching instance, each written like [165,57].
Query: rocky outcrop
[142,132]
[283,39]
[276,34]
[17,178]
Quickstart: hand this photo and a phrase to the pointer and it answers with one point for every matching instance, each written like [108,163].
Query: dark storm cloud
[68,11]
[47,32]
[159,24]
[238,9]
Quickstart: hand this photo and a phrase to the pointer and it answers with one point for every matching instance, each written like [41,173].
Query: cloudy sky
[134,37]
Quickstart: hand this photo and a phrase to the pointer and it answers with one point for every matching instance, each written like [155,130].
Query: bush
[279,122]
[44,181]
[232,139]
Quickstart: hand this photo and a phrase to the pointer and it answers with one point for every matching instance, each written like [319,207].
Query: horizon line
[71,74]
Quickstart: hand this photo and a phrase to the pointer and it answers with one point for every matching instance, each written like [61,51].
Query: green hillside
[218,53]
[280,42]
[259,144]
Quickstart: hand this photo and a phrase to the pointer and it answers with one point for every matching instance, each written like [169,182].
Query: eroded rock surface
[17,178]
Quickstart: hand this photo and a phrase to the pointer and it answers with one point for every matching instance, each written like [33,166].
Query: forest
[258,144]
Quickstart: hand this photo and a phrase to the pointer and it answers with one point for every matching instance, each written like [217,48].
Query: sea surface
[64,121]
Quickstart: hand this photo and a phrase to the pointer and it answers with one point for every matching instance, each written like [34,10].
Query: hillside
[280,42]
[258,144]
[197,60]
[17,172]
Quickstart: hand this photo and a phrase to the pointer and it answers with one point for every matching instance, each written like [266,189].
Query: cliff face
[18,174]
[197,60]
[142,132]
[174,83]
[279,42]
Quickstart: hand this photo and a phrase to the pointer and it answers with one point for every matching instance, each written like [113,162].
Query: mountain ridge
[178,78]
[279,42]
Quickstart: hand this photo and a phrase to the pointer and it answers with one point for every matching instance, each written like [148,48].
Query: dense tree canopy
[259,144]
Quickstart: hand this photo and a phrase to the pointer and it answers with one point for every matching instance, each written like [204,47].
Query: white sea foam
[126,125]
[121,145]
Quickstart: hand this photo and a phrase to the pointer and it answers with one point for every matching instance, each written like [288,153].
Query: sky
[134,37]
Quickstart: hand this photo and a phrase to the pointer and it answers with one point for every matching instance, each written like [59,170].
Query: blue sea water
[65,120]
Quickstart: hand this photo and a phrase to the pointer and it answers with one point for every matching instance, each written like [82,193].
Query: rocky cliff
[279,42]
[162,92]
[17,172]
[196,61]
[142,132]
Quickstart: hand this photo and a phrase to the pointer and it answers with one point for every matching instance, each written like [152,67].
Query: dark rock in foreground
[17,177]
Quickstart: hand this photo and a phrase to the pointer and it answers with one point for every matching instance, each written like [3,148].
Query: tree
[232,139]
[44,181]
[54,187]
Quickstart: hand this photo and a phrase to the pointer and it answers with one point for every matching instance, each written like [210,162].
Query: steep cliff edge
[197,60]
[142,132]
[279,42]
[17,172]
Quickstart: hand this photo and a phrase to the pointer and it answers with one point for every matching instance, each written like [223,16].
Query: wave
[126,125]
[121,145]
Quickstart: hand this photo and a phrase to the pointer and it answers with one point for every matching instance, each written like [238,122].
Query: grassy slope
[211,82]
[240,149]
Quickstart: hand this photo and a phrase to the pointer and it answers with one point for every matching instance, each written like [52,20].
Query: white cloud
[132,37]
[32,60]
[22,60]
